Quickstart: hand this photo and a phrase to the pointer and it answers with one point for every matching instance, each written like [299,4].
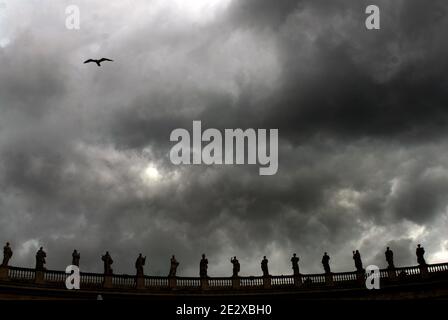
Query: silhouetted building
[428,281]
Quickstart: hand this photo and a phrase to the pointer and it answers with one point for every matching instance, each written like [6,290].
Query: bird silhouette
[98,62]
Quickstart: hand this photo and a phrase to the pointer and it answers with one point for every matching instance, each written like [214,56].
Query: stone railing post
[329,279]
[172,282]
[107,282]
[236,283]
[4,273]
[39,277]
[266,282]
[204,283]
[140,282]
[424,271]
[360,277]
[298,280]
[392,274]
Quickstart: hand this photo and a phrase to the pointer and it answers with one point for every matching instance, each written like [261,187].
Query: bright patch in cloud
[151,174]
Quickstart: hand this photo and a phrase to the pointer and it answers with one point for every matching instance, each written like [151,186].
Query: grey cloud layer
[361,117]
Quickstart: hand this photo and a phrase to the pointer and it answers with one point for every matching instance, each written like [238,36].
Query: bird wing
[105,59]
[90,60]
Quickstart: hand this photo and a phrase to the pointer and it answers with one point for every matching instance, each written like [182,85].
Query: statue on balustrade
[358,261]
[40,259]
[390,258]
[295,264]
[173,267]
[139,263]
[326,263]
[420,252]
[107,259]
[236,266]
[75,258]
[203,265]
[264,267]
[7,254]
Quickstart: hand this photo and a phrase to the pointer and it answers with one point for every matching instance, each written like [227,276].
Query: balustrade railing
[91,280]
[251,282]
[220,283]
[123,281]
[314,279]
[440,267]
[282,281]
[345,276]
[129,282]
[21,274]
[186,282]
[55,277]
[156,282]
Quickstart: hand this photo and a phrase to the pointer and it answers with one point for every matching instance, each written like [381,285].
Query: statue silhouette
[7,254]
[358,261]
[390,258]
[107,259]
[139,263]
[173,267]
[326,263]
[420,252]
[236,266]
[40,259]
[75,258]
[295,264]
[203,266]
[264,267]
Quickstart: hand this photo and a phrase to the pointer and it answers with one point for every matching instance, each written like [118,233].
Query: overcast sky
[362,118]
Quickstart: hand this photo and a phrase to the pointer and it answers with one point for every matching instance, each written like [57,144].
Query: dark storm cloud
[25,69]
[361,118]
[261,13]
[390,83]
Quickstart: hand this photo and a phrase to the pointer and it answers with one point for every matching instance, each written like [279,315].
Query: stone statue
[75,258]
[236,266]
[203,265]
[326,263]
[173,267]
[107,259]
[139,263]
[358,261]
[390,258]
[264,267]
[420,252]
[7,254]
[295,264]
[40,259]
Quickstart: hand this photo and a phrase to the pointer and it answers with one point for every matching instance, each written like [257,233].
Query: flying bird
[98,62]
